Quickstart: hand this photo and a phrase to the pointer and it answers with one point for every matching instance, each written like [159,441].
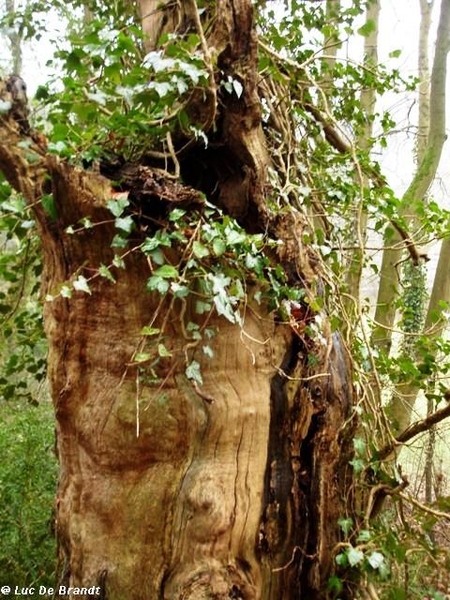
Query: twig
[436,513]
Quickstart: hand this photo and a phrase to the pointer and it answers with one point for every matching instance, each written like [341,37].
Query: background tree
[428,158]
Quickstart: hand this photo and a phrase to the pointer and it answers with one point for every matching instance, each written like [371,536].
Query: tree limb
[417,427]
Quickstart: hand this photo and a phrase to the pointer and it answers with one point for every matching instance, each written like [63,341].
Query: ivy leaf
[355,556]
[141,357]
[346,525]
[202,307]
[14,204]
[221,298]
[166,272]
[150,331]
[98,97]
[118,262]
[163,238]
[117,206]
[364,536]
[376,560]
[161,88]
[158,256]
[194,330]
[86,222]
[125,223]
[219,246]
[238,88]
[81,284]
[66,291]
[119,242]
[360,446]
[105,272]
[176,214]
[335,584]
[163,352]
[199,249]
[208,351]
[192,71]
[178,290]
[181,85]
[193,372]
[358,465]
[233,85]
[367,28]
[58,148]
[234,237]
[341,559]
[158,284]
[150,244]
[156,61]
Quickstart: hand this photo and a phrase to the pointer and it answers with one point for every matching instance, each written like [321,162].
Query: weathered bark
[231,489]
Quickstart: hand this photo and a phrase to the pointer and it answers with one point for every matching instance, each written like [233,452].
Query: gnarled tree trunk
[229,489]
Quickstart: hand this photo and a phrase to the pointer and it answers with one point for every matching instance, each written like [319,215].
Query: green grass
[28,472]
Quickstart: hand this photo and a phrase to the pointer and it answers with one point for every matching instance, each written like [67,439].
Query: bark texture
[228,490]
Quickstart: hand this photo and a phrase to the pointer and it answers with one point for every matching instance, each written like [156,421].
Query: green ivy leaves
[219,259]
[114,100]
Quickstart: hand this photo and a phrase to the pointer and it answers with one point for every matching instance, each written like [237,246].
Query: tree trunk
[228,489]
[401,405]
[15,39]
[364,141]
[418,188]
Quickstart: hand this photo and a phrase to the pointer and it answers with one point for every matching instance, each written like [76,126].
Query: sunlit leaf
[125,223]
[117,205]
[376,560]
[150,331]
[166,272]
[82,285]
[193,372]
[355,556]
[105,272]
[199,249]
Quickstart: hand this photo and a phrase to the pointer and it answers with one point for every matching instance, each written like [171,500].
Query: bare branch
[418,427]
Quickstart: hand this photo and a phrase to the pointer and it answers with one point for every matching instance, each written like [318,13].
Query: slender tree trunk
[231,489]
[433,322]
[15,40]
[331,42]
[424,176]
[426,8]
[364,142]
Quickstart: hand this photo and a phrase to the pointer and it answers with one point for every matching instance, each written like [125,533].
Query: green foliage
[27,489]
[116,100]
[219,267]
[396,555]
[22,343]
[219,261]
